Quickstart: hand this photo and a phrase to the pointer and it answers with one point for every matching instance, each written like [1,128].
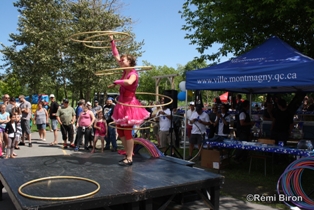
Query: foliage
[240,25]
[47,60]
[147,82]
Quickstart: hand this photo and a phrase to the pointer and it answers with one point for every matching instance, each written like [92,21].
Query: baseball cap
[66,100]
[89,103]
[96,101]
[52,96]
[110,98]
[192,103]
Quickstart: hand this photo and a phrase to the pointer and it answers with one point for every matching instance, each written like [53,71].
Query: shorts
[188,130]
[196,139]
[41,126]
[165,138]
[26,127]
[125,133]
[156,128]
[1,130]
[54,124]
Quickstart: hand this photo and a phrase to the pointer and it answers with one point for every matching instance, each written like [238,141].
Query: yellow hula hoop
[148,106]
[109,71]
[97,34]
[83,33]
[126,36]
[58,198]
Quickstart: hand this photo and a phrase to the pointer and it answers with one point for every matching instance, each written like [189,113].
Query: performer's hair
[130,58]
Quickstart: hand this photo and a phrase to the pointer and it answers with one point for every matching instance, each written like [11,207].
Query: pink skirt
[128,115]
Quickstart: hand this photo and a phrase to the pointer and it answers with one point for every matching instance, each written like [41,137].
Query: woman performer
[127,116]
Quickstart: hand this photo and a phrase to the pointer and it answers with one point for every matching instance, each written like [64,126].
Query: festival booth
[272,67]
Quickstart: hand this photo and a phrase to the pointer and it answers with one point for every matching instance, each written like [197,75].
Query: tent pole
[184,138]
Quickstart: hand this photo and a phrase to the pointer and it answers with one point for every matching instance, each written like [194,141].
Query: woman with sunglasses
[127,116]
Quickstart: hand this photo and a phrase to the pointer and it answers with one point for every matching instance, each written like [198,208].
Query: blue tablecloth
[259,147]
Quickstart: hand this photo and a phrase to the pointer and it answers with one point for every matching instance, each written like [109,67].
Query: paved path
[41,148]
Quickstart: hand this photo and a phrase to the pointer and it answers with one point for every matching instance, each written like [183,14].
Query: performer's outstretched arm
[114,49]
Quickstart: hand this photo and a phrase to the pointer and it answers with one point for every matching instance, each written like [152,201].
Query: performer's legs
[128,143]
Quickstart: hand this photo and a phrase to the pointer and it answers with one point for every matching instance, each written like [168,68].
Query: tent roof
[273,66]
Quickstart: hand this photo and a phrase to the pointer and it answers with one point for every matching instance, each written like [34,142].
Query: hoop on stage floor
[110,71]
[129,129]
[124,36]
[58,198]
[148,106]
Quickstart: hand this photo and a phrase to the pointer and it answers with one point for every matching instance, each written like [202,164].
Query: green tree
[240,25]
[148,83]
[47,59]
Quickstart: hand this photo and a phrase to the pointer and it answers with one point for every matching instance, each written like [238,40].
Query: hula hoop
[100,33]
[149,106]
[82,33]
[129,129]
[58,198]
[109,71]
[113,73]
[126,36]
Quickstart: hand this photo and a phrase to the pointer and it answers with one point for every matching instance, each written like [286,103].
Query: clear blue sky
[158,23]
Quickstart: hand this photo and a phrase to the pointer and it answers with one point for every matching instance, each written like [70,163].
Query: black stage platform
[136,187]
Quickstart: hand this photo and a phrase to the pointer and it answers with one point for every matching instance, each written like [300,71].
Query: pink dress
[102,125]
[127,115]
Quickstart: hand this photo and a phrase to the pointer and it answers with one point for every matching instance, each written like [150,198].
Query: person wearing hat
[26,109]
[199,120]
[189,113]
[66,117]
[53,108]
[97,108]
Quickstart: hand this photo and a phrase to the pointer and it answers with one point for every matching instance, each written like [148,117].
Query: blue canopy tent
[271,67]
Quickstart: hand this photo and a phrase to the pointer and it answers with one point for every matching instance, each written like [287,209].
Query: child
[11,129]
[18,114]
[100,127]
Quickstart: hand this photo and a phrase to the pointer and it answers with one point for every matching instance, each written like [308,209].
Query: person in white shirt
[199,120]
[188,115]
[164,127]
[222,124]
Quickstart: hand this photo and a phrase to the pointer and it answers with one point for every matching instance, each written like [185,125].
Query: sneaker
[44,139]
[114,150]
[76,149]
[86,148]
[72,145]
[21,144]
[30,145]
[107,149]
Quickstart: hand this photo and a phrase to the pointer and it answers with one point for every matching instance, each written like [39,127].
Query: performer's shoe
[128,163]
[123,159]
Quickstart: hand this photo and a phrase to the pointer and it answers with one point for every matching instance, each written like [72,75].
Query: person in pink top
[84,127]
[101,131]
[127,116]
